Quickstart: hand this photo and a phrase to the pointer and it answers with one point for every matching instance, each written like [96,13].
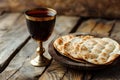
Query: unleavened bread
[88,48]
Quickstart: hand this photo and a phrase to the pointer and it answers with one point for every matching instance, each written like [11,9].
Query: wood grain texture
[64,24]
[54,72]
[87,26]
[20,68]
[103,27]
[12,34]
[73,75]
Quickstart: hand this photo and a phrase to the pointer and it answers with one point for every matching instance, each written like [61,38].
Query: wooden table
[17,49]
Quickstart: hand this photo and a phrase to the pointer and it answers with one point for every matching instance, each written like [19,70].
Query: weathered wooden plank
[54,72]
[16,64]
[116,30]
[65,24]
[73,75]
[7,22]
[87,26]
[112,73]
[103,27]
[12,34]
[21,69]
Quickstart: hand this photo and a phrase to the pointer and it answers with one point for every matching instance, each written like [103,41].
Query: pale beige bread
[60,42]
[88,48]
[66,45]
[73,47]
[100,50]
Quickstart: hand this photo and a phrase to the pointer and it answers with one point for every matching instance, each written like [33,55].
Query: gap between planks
[9,24]
[69,21]
[6,63]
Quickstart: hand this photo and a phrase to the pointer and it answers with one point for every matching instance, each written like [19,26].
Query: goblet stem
[40,60]
[40,50]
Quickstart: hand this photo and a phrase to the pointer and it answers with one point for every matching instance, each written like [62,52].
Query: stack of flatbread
[88,48]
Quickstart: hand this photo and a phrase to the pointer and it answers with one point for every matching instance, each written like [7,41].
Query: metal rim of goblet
[29,17]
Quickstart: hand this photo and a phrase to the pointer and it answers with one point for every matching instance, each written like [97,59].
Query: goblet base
[40,61]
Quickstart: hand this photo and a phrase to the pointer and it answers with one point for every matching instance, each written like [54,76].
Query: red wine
[40,23]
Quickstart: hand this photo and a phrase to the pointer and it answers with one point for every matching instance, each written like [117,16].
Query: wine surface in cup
[41,30]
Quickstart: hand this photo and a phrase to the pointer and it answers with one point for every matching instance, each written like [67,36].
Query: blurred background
[97,8]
